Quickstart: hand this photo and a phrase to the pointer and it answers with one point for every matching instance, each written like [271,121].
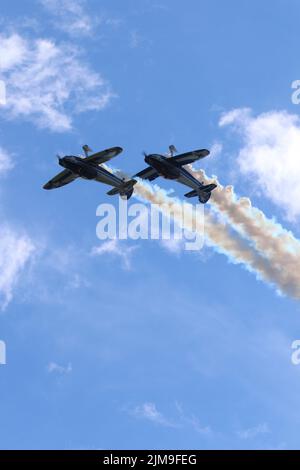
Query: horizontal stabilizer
[125,190]
[203,192]
[113,191]
[208,187]
[202,189]
[192,193]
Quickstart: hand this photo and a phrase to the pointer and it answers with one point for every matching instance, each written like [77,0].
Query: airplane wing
[190,157]
[62,178]
[148,174]
[104,155]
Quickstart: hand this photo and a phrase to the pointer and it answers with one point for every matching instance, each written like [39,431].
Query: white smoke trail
[250,221]
[267,236]
[225,241]
[262,245]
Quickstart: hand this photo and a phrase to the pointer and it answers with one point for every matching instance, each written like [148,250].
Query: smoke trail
[272,252]
[250,221]
[267,236]
[226,242]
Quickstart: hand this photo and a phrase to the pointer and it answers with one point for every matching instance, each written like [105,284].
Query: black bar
[151,458]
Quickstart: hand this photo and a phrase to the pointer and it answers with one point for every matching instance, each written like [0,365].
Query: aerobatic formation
[168,166]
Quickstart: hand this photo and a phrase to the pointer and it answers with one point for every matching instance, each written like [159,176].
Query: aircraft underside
[170,167]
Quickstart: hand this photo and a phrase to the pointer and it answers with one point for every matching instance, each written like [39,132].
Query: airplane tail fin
[203,193]
[86,150]
[125,190]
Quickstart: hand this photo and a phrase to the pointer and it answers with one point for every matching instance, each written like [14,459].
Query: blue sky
[144,347]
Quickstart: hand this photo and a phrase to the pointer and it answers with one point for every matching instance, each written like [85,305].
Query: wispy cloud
[175,246]
[48,83]
[15,252]
[6,162]
[117,248]
[138,40]
[149,412]
[135,39]
[54,368]
[74,18]
[251,433]
[16,248]
[193,421]
[216,150]
[70,16]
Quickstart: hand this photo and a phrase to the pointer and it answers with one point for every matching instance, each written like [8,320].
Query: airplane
[171,167]
[90,168]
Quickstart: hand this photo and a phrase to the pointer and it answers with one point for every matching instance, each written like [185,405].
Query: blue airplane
[90,168]
[172,167]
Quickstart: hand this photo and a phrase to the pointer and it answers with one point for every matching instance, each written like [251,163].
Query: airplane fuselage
[89,170]
[163,167]
[169,169]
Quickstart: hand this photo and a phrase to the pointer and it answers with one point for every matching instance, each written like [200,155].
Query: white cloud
[173,245]
[193,421]
[15,249]
[270,154]
[254,432]
[198,427]
[77,282]
[115,248]
[53,367]
[48,83]
[13,51]
[149,411]
[70,16]
[15,252]
[216,150]
[135,39]
[6,162]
